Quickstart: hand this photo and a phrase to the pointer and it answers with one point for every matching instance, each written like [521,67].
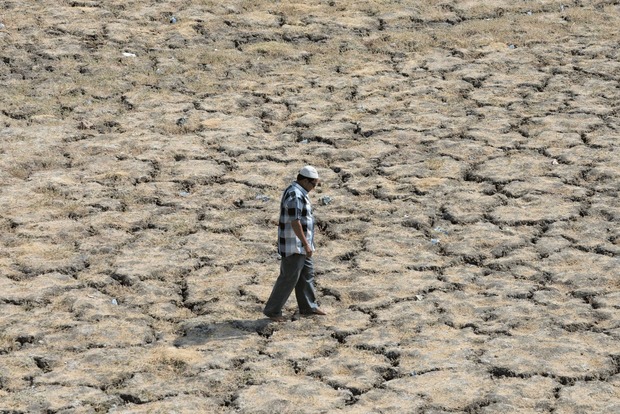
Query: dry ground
[469,238]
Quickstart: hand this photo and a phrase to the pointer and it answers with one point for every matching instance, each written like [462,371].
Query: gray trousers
[296,272]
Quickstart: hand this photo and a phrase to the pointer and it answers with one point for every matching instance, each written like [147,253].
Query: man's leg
[304,290]
[290,269]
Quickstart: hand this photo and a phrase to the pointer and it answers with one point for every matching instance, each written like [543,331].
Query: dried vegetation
[468,215]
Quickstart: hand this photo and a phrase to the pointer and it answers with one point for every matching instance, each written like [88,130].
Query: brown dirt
[469,239]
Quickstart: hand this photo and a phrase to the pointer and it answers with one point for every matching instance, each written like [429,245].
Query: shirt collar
[303,190]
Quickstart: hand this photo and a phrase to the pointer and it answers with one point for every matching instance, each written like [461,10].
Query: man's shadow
[197,333]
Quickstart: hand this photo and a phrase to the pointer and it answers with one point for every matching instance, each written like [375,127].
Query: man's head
[308,177]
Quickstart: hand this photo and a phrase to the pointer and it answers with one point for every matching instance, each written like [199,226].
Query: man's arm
[299,232]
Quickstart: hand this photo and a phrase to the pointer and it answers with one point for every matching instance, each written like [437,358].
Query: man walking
[296,246]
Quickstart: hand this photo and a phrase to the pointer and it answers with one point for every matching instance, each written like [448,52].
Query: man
[296,246]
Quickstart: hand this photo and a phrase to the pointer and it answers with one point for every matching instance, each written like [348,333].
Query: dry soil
[468,215]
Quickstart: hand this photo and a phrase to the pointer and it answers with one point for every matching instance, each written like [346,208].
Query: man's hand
[299,232]
[308,251]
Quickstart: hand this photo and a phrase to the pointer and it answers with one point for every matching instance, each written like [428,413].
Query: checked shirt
[295,205]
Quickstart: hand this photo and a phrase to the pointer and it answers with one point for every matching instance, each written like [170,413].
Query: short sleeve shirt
[295,205]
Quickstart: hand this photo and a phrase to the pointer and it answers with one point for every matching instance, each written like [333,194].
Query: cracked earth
[468,214]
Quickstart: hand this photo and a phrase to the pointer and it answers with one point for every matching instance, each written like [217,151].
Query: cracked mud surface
[468,215]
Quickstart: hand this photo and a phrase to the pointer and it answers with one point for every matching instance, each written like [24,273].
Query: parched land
[469,238]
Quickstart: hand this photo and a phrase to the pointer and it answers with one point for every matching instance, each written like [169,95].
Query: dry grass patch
[178,224]
[273,49]
[8,344]
[175,360]
[217,57]
[402,41]
[513,30]
[118,291]
[38,256]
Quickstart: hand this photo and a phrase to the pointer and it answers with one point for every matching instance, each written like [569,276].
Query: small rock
[127,54]
[173,20]
[325,200]
[435,241]
[184,194]
[2,26]
[262,197]
[114,301]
